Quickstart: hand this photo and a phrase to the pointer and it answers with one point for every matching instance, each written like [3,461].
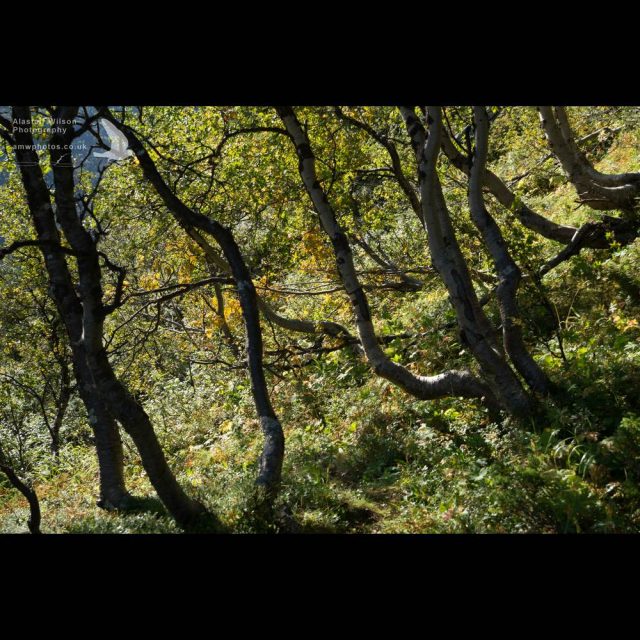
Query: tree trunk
[598,190]
[113,492]
[449,383]
[61,290]
[508,271]
[135,421]
[26,490]
[271,460]
[475,328]
[84,319]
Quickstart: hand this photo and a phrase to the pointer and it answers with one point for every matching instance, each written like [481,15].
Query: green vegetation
[361,454]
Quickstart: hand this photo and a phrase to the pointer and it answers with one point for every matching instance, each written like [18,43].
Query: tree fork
[83,317]
[450,263]
[61,290]
[449,383]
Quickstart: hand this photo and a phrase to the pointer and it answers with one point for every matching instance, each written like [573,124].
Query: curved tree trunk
[508,271]
[596,189]
[475,329]
[84,317]
[603,179]
[624,231]
[26,490]
[449,383]
[61,289]
[269,475]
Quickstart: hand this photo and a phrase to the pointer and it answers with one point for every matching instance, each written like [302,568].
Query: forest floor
[366,458]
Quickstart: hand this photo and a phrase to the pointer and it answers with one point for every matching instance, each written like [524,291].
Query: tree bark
[26,490]
[61,290]
[598,190]
[508,271]
[475,329]
[270,472]
[449,383]
[84,316]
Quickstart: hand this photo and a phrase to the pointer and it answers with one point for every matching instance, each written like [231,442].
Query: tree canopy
[326,319]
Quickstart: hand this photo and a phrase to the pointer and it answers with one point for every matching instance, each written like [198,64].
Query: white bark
[456,383]
[447,258]
[593,187]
